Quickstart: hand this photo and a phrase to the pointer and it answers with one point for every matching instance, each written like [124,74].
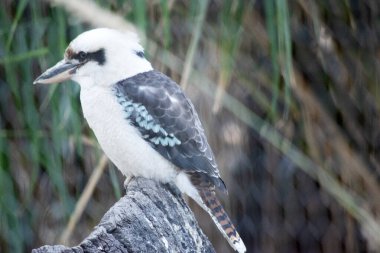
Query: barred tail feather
[215,209]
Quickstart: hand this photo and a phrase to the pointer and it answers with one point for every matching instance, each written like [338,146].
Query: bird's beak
[60,72]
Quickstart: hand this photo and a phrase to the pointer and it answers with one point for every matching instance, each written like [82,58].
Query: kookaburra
[142,119]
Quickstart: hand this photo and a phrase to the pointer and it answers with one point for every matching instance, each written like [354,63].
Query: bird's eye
[82,55]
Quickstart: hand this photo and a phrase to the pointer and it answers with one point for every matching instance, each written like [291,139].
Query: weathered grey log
[151,217]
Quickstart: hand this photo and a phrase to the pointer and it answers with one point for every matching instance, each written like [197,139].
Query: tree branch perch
[151,217]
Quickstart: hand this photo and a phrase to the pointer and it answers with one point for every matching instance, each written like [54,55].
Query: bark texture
[151,217]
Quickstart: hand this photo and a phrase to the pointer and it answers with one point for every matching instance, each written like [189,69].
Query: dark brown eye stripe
[80,56]
[98,56]
[140,54]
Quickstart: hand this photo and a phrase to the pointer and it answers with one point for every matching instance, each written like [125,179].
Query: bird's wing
[167,120]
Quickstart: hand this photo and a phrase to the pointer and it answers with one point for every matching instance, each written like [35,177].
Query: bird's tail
[221,219]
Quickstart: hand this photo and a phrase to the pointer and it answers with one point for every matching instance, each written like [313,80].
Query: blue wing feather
[167,120]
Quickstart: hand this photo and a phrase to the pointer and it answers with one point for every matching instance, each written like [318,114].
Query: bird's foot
[127,181]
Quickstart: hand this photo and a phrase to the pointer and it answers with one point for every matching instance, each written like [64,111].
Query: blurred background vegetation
[288,92]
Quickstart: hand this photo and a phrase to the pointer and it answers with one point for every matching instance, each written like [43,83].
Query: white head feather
[121,57]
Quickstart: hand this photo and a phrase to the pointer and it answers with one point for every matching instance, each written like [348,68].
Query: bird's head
[99,57]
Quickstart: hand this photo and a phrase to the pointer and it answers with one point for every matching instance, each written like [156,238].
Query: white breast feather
[121,141]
